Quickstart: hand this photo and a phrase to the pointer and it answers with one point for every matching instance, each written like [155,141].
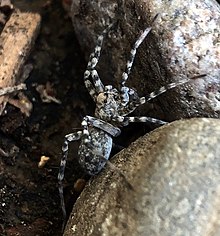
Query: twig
[8,90]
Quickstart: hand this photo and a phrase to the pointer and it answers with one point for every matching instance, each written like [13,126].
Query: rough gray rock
[184,42]
[175,173]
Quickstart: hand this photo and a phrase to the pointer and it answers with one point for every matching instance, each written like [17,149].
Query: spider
[112,107]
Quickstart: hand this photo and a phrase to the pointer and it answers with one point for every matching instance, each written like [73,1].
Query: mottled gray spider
[112,108]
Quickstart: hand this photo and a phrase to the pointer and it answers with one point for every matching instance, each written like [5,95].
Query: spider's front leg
[125,91]
[96,86]
[68,138]
[134,103]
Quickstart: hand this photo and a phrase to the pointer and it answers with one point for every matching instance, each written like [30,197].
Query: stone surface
[184,42]
[175,174]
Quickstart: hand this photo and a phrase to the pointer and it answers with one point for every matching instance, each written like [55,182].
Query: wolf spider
[112,107]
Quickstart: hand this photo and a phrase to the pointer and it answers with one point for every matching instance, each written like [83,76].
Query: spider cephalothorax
[107,104]
[114,103]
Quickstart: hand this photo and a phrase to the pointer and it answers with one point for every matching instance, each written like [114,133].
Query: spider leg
[163,89]
[97,85]
[107,127]
[126,120]
[85,133]
[126,94]
[132,105]
[125,75]
[170,86]
[68,138]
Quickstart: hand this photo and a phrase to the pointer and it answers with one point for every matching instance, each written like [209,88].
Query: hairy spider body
[112,107]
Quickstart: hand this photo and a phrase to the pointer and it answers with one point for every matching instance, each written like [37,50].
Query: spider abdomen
[94,155]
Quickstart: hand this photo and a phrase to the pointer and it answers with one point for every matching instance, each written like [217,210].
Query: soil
[30,203]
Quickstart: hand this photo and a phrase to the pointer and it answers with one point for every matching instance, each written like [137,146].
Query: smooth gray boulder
[175,173]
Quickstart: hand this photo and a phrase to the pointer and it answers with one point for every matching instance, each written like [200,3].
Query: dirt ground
[30,203]
[29,196]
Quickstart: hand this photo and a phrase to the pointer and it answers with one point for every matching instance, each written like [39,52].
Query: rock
[175,175]
[184,43]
